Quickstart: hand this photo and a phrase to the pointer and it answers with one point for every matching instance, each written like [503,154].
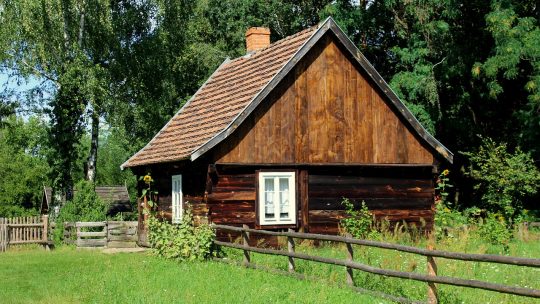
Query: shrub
[504,180]
[493,229]
[86,206]
[183,241]
[359,223]
[447,221]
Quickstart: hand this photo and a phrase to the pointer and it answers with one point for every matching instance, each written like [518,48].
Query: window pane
[269,212]
[283,197]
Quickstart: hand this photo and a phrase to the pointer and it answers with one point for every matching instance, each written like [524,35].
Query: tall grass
[525,244]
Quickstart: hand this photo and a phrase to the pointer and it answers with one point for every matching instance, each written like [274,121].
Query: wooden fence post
[432,271]
[290,246]
[45,232]
[79,239]
[2,235]
[245,238]
[350,256]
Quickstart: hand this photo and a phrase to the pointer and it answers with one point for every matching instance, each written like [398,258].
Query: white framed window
[177,198]
[277,198]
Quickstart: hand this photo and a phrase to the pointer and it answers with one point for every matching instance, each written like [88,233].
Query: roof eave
[126,163]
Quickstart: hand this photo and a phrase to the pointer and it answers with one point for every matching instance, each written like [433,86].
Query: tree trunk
[92,158]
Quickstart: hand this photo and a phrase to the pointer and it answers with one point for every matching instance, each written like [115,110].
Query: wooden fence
[24,230]
[431,278]
[110,234]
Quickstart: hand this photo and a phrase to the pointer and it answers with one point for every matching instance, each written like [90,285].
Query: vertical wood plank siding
[325,111]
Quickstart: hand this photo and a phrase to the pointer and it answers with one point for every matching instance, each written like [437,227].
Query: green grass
[65,275]
[389,259]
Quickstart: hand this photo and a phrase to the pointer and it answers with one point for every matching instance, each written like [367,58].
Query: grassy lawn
[65,275]
[389,259]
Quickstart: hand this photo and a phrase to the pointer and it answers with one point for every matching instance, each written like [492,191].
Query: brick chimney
[257,38]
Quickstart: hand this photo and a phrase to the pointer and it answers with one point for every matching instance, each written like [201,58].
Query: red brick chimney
[257,38]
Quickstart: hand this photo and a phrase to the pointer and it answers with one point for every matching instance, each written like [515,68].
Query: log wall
[397,194]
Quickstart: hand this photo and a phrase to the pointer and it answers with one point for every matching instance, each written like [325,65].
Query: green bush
[504,180]
[494,230]
[183,241]
[447,220]
[86,206]
[359,223]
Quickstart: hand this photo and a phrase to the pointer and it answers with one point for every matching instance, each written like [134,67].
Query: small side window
[177,198]
[277,198]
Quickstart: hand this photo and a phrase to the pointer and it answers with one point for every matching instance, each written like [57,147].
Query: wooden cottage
[116,196]
[277,138]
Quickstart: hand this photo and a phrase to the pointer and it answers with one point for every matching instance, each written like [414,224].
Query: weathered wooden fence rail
[110,234]
[431,277]
[24,230]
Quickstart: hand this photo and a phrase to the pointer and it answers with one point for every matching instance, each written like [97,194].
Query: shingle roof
[116,196]
[224,95]
[237,87]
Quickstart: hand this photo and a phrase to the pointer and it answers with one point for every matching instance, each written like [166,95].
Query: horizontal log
[233,196]
[491,258]
[120,244]
[34,241]
[373,203]
[121,231]
[38,225]
[125,223]
[528,292]
[90,224]
[91,234]
[363,194]
[127,238]
[92,243]
[360,180]
[227,189]
[238,206]
[334,216]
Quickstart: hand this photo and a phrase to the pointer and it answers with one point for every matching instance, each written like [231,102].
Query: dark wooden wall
[395,193]
[325,111]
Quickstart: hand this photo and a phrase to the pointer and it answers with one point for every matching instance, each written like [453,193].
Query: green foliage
[184,241]
[23,152]
[359,223]
[86,206]
[443,185]
[447,220]
[516,56]
[504,179]
[494,229]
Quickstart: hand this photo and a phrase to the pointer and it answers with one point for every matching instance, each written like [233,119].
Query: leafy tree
[23,163]
[504,180]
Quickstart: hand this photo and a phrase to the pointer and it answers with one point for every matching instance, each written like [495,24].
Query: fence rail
[431,277]
[24,230]
[111,234]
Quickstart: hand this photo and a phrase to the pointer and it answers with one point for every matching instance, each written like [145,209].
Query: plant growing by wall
[148,193]
[184,241]
[359,222]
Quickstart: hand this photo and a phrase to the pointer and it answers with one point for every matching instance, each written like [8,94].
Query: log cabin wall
[194,176]
[325,111]
[395,193]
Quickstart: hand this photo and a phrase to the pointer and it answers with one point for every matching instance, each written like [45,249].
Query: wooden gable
[326,110]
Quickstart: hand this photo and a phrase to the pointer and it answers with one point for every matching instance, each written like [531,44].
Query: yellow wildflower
[445,172]
[147,179]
